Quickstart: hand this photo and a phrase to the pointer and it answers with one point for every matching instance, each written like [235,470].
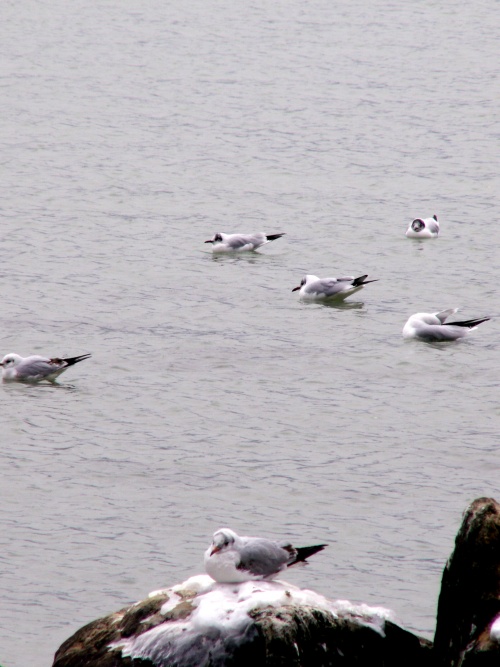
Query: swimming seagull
[35,368]
[433,326]
[313,288]
[423,228]
[231,558]
[240,242]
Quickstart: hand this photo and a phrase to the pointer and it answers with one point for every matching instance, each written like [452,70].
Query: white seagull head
[223,539]
[11,360]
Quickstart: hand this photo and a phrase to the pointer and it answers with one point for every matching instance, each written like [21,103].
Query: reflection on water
[339,305]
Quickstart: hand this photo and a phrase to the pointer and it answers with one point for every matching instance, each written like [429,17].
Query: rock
[468,619]
[201,623]
[89,645]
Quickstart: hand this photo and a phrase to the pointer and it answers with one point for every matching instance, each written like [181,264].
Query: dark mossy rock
[299,638]
[89,645]
[272,624]
[469,601]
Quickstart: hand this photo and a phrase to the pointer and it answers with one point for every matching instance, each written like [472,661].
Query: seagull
[313,288]
[35,368]
[423,228]
[240,242]
[433,326]
[232,559]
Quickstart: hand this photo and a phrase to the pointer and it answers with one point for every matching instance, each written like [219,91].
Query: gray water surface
[130,133]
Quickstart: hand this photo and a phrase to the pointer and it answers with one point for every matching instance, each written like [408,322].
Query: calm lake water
[132,132]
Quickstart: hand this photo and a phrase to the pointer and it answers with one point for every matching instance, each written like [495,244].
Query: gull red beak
[296,288]
[209,241]
[215,549]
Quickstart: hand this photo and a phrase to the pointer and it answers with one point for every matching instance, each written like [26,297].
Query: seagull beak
[215,549]
[296,288]
[209,241]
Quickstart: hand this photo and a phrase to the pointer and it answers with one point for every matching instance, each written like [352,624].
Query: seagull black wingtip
[303,553]
[470,324]
[74,360]
[358,282]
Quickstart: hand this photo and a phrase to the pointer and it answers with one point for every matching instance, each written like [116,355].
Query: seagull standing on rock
[234,559]
[240,242]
